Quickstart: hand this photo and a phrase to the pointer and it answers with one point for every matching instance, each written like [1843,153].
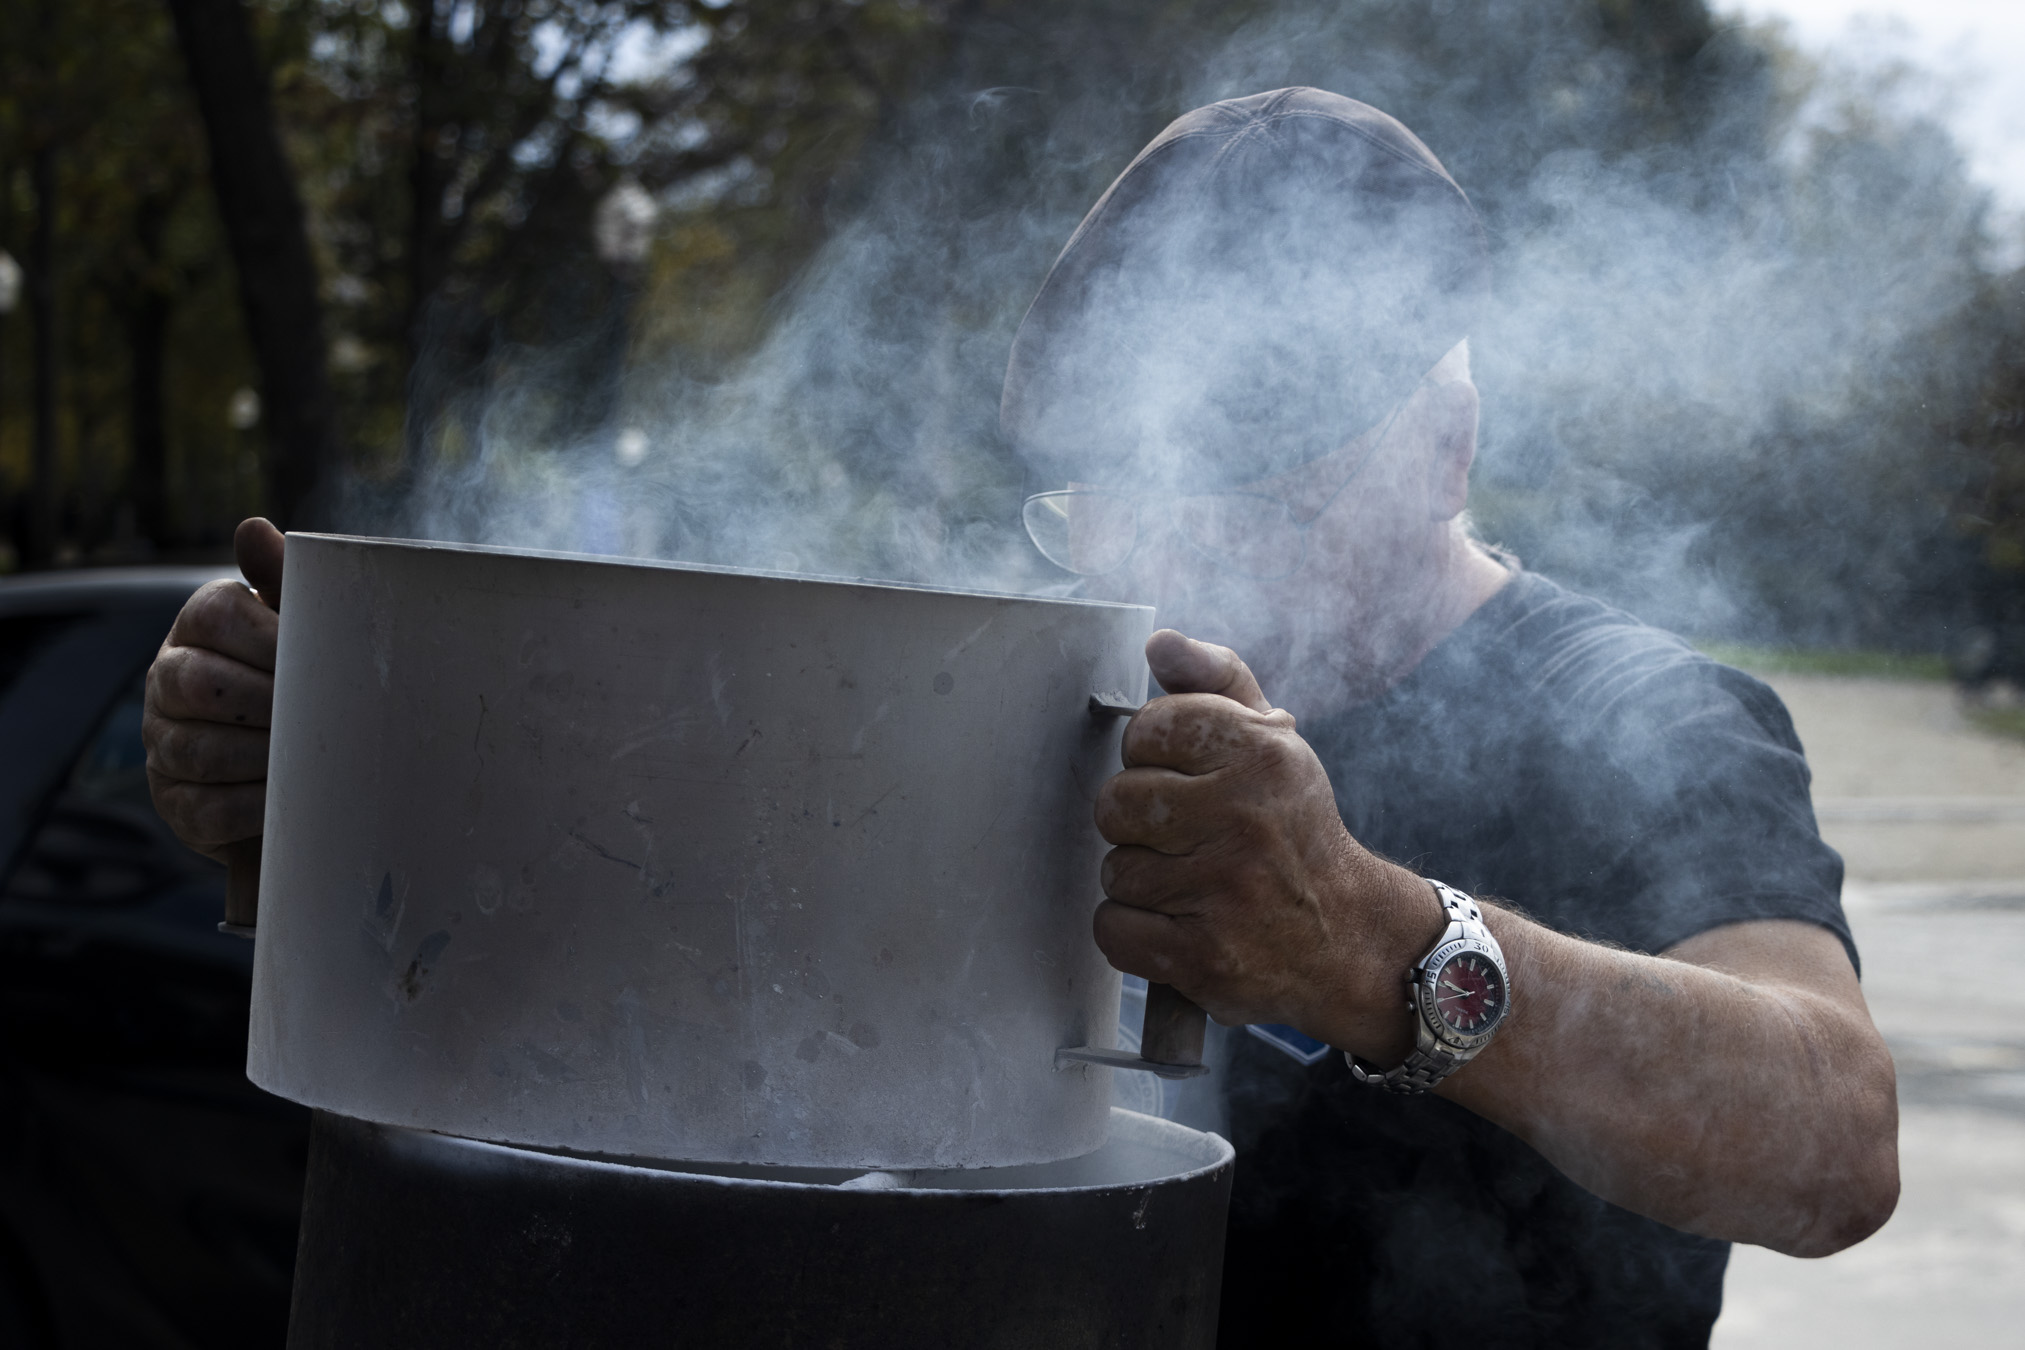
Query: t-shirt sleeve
[1698,800]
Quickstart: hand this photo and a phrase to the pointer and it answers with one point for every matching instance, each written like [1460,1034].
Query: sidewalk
[1929,812]
[1907,789]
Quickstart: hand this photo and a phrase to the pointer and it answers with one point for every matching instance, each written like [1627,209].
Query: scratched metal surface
[685,863]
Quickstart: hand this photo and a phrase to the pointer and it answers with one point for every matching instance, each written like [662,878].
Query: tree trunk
[270,249]
[147,336]
[12,518]
[40,549]
[426,262]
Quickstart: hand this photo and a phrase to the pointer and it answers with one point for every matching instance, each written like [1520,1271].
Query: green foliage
[1991,510]
[858,197]
[97,83]
[1824,661]
[2000,721]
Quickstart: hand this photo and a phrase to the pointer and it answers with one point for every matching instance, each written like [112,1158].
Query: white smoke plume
[1727,337]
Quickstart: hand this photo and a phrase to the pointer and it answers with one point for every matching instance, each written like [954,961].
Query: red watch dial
[1469,993]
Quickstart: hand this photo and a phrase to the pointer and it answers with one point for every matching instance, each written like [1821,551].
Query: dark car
[149,1194]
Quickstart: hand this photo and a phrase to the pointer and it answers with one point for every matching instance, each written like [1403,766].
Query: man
[1246,385]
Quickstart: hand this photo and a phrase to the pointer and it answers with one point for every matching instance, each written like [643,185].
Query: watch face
[1469,993]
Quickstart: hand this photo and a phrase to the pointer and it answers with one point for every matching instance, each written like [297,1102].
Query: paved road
[1930,814]
[1905,786]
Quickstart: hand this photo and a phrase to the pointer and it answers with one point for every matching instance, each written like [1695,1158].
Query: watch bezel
[1428,972]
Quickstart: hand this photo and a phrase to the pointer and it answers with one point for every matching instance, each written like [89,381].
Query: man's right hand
[210,699]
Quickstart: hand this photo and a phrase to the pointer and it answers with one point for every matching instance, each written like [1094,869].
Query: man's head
[1267,279]
[1256,339]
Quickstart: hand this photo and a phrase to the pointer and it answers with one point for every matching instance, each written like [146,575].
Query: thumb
[1185,666]
[257,547]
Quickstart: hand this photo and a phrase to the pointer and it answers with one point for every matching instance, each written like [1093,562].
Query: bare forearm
[1738,1090]
[1730,1106]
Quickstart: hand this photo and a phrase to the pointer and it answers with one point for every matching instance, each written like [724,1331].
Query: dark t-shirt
[1614,784]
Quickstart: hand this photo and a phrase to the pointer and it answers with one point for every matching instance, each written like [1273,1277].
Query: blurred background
[611,276]
[734,280]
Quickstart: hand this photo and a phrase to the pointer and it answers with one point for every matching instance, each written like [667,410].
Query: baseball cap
[1268,278]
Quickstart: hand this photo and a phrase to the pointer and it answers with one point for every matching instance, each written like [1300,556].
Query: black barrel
[419,1240]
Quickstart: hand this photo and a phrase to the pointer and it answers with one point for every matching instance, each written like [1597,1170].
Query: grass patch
[2000,721]
[1807,661]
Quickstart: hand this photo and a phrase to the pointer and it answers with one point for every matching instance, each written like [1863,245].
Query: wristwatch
[1460,995]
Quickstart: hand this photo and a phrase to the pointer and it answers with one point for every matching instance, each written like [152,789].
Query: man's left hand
[1234,879]
[1733,1086]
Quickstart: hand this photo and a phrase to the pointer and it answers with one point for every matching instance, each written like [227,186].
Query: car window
[114,765]
[102,843]
[22,636]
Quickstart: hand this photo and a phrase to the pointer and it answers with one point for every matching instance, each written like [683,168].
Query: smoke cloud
[1731,323]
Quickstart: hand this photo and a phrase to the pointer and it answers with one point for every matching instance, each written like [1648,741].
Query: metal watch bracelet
[1430,1061]
[1418,1073]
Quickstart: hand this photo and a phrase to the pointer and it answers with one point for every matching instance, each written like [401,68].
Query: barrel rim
[707,569]
[1215,1151]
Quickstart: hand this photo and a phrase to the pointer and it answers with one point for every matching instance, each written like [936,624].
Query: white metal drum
[686,863]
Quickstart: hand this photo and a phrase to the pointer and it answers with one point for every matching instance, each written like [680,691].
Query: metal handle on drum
[1170,1038]
[242,887]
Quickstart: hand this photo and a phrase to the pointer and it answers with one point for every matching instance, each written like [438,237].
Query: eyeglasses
[1093,531]
[1096,530]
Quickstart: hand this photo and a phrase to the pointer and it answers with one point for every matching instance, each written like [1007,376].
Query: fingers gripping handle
[1170,1039]
[259,549]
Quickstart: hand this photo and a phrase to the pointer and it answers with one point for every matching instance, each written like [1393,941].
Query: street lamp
[242,410]
[629,447]
[622,231]
[623,226]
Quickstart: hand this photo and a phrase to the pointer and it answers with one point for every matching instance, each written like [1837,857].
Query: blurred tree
[103,171]
[452,155]
[854,200]
[452,166]
[257,200]
[1991,512]
[43,73]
